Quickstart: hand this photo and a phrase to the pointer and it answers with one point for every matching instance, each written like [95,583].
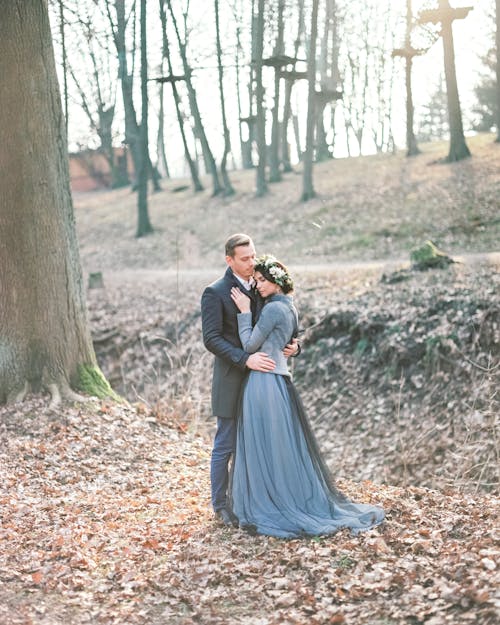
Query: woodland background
[105,504]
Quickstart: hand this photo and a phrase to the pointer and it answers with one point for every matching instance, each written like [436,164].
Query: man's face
[243,261]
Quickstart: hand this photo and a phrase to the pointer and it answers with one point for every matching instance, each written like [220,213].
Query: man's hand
[292,349]
[260,362]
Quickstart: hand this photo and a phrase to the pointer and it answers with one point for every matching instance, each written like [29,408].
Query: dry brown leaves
[105,520]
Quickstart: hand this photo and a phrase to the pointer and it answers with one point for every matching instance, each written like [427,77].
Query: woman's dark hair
[274,271]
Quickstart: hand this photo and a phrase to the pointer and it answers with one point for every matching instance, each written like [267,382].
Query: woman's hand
[241,300]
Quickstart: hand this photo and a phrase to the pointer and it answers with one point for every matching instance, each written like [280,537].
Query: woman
[280,485]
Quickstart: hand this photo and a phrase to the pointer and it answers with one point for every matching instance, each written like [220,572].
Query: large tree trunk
[307,179]
[45,340]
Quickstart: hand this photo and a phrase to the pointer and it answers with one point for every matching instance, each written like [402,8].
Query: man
[220,336]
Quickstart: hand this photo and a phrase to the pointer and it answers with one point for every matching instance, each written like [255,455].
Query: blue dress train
[280,485]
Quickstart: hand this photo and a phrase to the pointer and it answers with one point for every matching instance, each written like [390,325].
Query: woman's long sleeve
[252,339]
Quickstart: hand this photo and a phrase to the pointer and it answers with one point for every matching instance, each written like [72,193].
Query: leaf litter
[106,519]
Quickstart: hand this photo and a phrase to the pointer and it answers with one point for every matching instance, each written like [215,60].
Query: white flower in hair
[277,272]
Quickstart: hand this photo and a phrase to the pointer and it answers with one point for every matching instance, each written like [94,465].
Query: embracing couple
[279,484]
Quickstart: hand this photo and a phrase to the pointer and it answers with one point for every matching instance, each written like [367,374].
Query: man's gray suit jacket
[219,317]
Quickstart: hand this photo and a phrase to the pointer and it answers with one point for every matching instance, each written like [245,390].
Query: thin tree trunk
[296,134]
[411,142]
[287,107]
[246,158]
[62,30]
[307,181]
[252,117]
[322,151]
[143,224]
[458,148]
[228,187]
[131,126]
[497,41]
[287,110]
[261,184]
[193,169]
[160,137]
[195,111]
[274,160]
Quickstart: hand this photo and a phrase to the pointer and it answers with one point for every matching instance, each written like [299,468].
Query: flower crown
[276,272]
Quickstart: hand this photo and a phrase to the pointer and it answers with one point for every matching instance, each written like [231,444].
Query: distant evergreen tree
[486,109]
[433,122]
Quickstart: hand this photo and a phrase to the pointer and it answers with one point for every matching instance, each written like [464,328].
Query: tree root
[90,380]
[58,392]
[56,396]
[17,396]
[62,391]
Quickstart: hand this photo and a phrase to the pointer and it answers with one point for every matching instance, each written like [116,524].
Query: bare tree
[228,187]
[356,80]
[382,70]
[132,131]
[261,184]
[173,80]
[161,153]
[307,180]
[290,78]
[144,226]
[45,339]
[245,124]
[408,53]
[329,80]
[274,160]
[445,15]
[96,89]
[193,102]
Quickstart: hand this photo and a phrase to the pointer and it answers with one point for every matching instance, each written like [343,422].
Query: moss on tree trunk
[91,380]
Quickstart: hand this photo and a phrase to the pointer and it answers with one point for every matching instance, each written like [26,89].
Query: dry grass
[367,208]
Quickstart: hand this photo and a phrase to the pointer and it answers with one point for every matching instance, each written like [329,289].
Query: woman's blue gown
[280,485]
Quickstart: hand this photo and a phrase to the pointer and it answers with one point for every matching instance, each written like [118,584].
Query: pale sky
[470,37]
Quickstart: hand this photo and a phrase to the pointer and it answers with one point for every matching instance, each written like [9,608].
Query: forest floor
[105,507]
[106,521]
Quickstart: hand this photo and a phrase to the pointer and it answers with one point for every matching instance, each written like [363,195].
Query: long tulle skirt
[280,485]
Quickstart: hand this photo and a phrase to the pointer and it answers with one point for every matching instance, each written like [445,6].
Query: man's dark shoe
[227,517]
